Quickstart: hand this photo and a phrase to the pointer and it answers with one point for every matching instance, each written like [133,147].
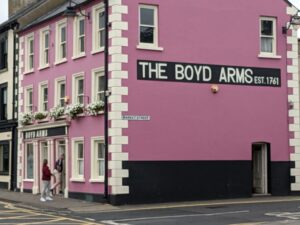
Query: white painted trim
[40,96]
[274,42]
[42,33]
[99,8]
[58,80]
[74,170]
[93,175]
[76,22]
[59,25]
[28,38]
[75,78]
[97,72]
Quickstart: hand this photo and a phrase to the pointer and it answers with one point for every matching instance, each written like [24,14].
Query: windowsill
[43,120]
[60,61]
[95,51]
[28,180]
[3,70]
[28,72]
[149,47]
[96,180]
[77,180]
[79,56]
[44,67]
[267,56]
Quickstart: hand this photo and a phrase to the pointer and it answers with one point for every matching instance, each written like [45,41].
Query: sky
[4,8]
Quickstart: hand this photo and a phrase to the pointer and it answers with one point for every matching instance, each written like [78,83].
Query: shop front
[39,143]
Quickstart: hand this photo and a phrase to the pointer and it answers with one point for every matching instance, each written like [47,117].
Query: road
[269,212]
[257,213]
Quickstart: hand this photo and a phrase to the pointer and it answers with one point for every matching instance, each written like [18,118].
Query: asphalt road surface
[269,212]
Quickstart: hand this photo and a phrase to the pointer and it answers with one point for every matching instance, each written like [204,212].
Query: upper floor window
[268,36]
[98,28]
[43,106]
[148,26]
[79,37]
[44,47]
[28,99]
[98,85]
[60,92]
[3,52]
[61,41]
[3,102]
[29,53]
[78,88]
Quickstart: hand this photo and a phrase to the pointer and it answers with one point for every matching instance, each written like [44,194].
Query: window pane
[46,40]
[45,90]
[46,56]
[30,97]
[100,148]
[267,27]
[147,34]
[81,27]
[101,20]
[81,43]
[62,90]
[80,150]
[4,159]
[31,46]
[63,50]
[101,85]
[80,167]
[63,34]
[80,86]
[101,168]
[147,16]
[102,38]
[267,44]
[29,157]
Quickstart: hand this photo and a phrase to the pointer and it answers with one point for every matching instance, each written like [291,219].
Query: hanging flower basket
[74,110]
[40,115]
[57,112]
[26,119]
[95,108]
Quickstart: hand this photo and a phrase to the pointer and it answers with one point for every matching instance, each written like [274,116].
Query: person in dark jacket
[46,177]
[58,169]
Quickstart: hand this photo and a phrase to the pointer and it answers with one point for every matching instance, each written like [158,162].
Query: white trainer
[49,198]
[42,199]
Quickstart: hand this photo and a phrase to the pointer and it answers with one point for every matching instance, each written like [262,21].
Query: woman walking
[45,195]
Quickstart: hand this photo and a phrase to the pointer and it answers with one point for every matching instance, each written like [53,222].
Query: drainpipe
[106,11]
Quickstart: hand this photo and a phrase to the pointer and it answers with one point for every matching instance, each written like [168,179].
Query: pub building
[198,106]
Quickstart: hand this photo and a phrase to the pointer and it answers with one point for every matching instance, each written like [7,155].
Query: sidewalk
[61,204]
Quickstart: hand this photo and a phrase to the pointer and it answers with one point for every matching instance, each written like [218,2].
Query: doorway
[61,149]
[44,154]
[260,168]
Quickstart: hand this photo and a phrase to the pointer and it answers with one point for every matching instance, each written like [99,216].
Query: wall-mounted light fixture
[294,21]
[214,88]
[72,12]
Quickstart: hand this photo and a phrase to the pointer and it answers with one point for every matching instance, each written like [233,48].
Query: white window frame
[25,164]
[43,85]
[28,54]
[57,94]
[95,74]
[76,37]
[26,99]
[94,160]
[43,49]
[74,168]
[272,54]
[58,43]
[154,45]
[99,8]
[75,95]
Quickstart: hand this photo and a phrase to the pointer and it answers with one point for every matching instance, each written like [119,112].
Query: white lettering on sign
[158,70]
[189,72]
[130,117]
[36,134]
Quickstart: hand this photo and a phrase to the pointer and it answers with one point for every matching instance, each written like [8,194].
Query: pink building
[203,100]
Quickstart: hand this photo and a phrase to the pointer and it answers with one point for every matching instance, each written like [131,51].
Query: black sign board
[205,73]
[49,132]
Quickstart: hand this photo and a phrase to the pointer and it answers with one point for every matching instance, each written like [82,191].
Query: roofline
[55,15]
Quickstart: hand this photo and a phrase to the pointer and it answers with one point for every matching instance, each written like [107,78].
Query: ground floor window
[78,158]
[4,158]
[97,159]
[29,160]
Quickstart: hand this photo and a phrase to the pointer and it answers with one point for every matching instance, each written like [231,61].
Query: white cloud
[3,10]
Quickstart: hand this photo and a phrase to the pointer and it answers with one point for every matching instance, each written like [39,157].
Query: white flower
[25,118]
[57,112]
[74,110]
[95,107]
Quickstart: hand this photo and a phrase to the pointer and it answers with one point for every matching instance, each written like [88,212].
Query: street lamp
[71,11]
[294,21]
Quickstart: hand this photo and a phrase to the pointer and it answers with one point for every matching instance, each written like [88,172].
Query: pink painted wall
[88,126]
[188,122]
